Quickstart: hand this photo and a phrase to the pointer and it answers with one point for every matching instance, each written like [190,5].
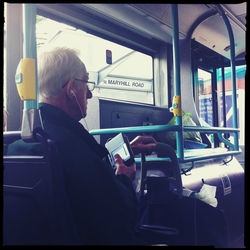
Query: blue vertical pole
[175,40]
[29,45]
[233,75]
[31,113]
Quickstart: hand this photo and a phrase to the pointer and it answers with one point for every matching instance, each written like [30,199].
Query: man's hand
[143,144]
[123,169]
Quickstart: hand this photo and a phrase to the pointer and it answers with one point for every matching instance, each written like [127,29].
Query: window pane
[205,96]
[129,77]
[240,94]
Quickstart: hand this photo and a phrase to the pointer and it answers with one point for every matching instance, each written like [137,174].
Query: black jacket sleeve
[104,205]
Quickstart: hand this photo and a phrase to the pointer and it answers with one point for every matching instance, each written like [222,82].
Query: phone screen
[120,145]
[122,151]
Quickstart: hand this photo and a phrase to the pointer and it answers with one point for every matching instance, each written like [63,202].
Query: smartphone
[120,145]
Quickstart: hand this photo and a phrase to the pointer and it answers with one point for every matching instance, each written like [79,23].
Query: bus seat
[154,224]
[229,179]
[36,209]
[182,220]
[10,137]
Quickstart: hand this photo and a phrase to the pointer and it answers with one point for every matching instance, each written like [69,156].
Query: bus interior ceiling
[153,22]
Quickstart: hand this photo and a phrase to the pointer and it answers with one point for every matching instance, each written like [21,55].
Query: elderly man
[103,202]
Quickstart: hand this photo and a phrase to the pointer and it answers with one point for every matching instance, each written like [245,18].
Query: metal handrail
[160,128]
[233,74]
[169,128]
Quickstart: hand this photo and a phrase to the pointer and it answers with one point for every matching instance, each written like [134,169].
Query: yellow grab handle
[177,106]
[26,79]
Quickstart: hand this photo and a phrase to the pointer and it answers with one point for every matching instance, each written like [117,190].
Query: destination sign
[128,84]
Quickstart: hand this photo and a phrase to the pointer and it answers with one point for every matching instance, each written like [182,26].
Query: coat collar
[60,118]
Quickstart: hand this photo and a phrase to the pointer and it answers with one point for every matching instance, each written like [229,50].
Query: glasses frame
[90,85]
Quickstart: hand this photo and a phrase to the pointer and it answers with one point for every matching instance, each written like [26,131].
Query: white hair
[56,67]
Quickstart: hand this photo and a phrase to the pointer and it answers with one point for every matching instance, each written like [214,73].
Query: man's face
[82,94]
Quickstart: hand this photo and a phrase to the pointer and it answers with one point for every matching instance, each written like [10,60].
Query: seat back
[36,208]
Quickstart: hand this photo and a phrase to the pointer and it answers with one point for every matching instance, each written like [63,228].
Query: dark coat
[103,204]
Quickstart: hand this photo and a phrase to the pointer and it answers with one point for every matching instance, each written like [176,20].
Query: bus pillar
[175,40]
[26,74]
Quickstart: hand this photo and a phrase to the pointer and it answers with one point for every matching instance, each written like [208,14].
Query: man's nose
[89,94]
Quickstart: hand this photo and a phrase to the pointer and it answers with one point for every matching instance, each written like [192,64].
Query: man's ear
[70,88]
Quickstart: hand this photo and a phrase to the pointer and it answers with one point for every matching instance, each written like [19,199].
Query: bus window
[128,78]
[226,111]
[205,96]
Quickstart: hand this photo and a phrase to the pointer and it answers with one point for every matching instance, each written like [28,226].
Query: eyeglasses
[91,85]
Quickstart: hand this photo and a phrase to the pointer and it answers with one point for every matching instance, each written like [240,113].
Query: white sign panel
[128,84]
